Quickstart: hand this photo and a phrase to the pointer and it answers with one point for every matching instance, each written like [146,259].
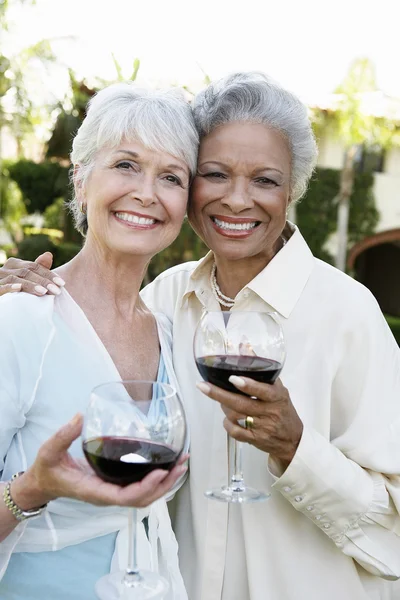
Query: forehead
[252,142]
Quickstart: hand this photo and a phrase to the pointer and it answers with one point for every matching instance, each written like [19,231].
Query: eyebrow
[169,166]
[215,162]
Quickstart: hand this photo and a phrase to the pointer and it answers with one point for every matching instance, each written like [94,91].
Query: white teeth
[235,226]
[134,219]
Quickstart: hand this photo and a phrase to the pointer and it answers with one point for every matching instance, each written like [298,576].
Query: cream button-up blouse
[331,527]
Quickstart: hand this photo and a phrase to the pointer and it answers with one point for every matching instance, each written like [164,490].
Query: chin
[228,252]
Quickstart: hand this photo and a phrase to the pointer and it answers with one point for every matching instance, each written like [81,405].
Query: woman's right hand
[18,275]
[56,474]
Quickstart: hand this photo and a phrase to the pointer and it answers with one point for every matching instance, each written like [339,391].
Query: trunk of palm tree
[345,191]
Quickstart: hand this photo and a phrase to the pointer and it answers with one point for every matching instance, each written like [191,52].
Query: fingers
[238,433]
[32,277]
[54,448]
[45,259]
[243,405]
[232,415]
[9,288]
[268,392]
[138,495]
[154,486]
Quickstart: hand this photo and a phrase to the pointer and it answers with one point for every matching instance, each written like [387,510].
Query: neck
[98,277]
[233,275]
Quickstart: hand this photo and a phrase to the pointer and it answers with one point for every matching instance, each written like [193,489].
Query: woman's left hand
[276,429]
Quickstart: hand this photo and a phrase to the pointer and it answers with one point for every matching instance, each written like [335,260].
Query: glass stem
[236,482]
[132,575]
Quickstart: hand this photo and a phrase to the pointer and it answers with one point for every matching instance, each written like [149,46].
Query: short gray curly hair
[253,97]
[160,120]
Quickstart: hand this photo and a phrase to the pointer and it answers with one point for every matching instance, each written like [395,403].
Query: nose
[238,197]
[144,192]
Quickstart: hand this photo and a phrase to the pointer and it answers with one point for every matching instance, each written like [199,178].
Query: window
[369,159]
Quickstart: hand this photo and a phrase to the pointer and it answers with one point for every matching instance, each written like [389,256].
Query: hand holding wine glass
[238,344]
[56,474]
[276,426]
[133,428]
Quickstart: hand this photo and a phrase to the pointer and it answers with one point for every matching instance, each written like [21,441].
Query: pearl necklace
[216,290]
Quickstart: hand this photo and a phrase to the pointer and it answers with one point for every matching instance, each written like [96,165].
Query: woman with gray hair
[133,158]
[325,437]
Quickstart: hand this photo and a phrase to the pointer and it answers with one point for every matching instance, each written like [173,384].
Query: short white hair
[253,97]
[160,120]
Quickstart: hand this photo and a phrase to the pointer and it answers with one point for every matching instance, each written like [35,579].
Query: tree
[356,127]
[17,111]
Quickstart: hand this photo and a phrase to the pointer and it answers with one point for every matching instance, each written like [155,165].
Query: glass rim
[172,393]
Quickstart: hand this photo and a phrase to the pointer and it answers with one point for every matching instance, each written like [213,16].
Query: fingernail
[39,289]
[237,381]
[54,289]
[203,387]
[75,420]
[182,470]
[58,281]
[16,287]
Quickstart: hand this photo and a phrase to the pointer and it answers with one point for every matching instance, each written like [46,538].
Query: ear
[78,183]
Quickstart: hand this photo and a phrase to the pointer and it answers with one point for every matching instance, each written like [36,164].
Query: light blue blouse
[64,574]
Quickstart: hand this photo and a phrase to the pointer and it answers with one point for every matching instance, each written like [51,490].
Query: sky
[306,45]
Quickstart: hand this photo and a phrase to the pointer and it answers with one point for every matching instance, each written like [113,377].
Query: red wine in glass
[217,369]
[246,344]
[123,461]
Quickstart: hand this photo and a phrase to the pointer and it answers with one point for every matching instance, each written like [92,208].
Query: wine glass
[248,344]
[130,429]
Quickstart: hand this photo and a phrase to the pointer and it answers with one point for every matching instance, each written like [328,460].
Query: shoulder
[23,306]
[348,304]
[177,274]
[163,294]
[340,289]
[25,318]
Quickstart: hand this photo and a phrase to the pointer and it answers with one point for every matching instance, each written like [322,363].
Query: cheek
[202,192]
[276,204]
[176,207]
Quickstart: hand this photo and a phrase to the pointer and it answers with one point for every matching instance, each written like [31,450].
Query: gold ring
[249,423]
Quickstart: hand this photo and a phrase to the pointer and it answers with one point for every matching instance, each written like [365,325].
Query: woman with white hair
[325,437]
[133,158]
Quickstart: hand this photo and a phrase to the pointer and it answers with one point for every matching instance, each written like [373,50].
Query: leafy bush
[394,324]
[65,252]
[317,211]
[12,207]
[33,245]
[54,215]
[188,246]
[40,183]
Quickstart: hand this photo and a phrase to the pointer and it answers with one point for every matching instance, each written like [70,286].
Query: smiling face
[136,199]
[240,194]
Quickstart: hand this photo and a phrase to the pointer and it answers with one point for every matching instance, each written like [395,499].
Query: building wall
[386,185]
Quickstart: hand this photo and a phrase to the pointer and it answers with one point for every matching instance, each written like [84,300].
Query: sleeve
[12,416]
[349,486]
[24,338]
[11,404]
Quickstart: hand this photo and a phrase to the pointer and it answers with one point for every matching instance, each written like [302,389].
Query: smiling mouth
[135,219]
[232,226]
